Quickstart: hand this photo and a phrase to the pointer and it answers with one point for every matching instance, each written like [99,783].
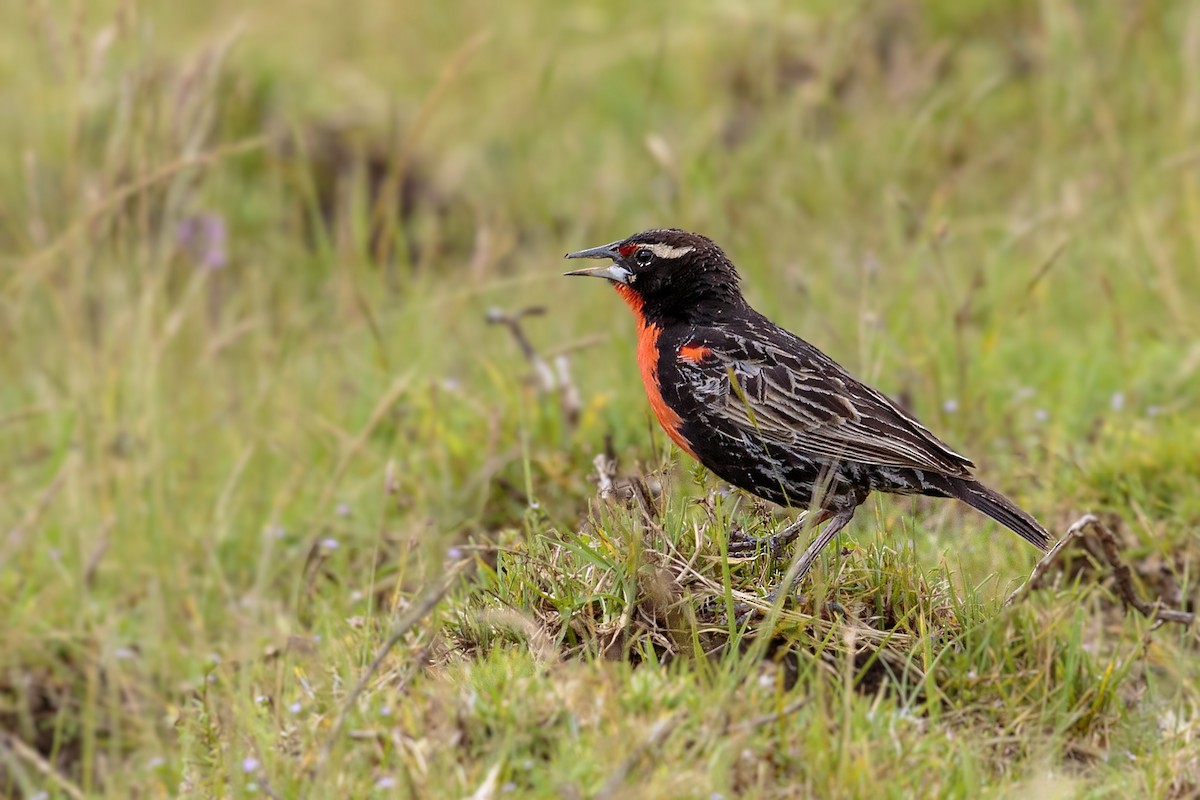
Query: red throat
[647,356]
[631,298]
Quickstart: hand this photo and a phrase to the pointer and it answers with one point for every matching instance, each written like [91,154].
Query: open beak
[612,272]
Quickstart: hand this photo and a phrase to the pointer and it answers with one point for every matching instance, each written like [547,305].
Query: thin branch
[1124,580]
[554,379]
[1043,565]
[606,475]
[1122,574]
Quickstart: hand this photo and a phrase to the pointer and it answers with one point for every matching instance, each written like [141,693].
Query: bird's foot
[742,544]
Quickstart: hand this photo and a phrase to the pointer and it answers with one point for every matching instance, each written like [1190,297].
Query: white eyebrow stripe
[667,251]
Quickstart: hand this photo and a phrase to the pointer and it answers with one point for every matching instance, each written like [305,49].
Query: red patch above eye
[626,250]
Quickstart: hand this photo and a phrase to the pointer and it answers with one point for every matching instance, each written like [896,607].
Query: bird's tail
[1001,509]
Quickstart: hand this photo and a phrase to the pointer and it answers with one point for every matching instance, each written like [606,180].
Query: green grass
[252,412]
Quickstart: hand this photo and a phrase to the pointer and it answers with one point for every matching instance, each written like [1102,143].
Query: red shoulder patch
[694,353]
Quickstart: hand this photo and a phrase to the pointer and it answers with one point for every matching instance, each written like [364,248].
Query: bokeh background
[258,395]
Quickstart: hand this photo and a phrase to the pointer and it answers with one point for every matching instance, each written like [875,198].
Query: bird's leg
[837,520]
[743,544]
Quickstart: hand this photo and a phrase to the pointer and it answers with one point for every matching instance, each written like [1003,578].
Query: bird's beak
[611,271]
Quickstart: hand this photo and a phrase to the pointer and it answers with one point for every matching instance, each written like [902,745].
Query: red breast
[647,356]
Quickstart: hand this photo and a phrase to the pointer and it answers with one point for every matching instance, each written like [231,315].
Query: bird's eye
[643,257]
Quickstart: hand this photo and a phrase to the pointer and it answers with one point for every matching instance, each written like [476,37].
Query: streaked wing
[787,393]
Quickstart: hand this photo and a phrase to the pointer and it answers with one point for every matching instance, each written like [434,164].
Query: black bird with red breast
[765,410]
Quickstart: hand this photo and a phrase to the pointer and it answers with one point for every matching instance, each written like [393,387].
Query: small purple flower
[386,782]
[204,237]
[950,406]
[295,707]
[330,544]
[249,764]
[343,509]
[454,554]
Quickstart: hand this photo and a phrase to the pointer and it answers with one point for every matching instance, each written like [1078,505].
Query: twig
[1046,561]
[606,474]
[1122,575]
[545,376]
[498,316]
[550,379]
[1124,579]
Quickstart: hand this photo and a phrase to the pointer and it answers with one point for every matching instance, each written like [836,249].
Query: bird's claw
[743,613]
[742,544]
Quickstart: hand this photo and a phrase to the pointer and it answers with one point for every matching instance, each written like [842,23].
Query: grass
[255,425]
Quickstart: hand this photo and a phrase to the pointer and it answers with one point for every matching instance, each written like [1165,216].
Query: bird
[766,411]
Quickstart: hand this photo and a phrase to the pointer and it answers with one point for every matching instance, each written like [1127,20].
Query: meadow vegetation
[317,479]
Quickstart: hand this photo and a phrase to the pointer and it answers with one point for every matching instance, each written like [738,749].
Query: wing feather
[782,390]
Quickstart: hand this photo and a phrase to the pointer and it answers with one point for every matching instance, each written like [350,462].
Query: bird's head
[668,275]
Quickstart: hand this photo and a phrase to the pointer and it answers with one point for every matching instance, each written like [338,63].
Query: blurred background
[255,262]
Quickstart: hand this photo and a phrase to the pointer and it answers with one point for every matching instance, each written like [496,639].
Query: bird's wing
[785,392]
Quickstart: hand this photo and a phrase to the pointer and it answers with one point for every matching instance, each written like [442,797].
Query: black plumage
[767,411]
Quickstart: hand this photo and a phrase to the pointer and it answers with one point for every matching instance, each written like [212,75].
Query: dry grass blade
[19,749]
[406,623]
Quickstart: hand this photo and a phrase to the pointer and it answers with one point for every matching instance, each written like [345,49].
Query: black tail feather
[1001,509]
